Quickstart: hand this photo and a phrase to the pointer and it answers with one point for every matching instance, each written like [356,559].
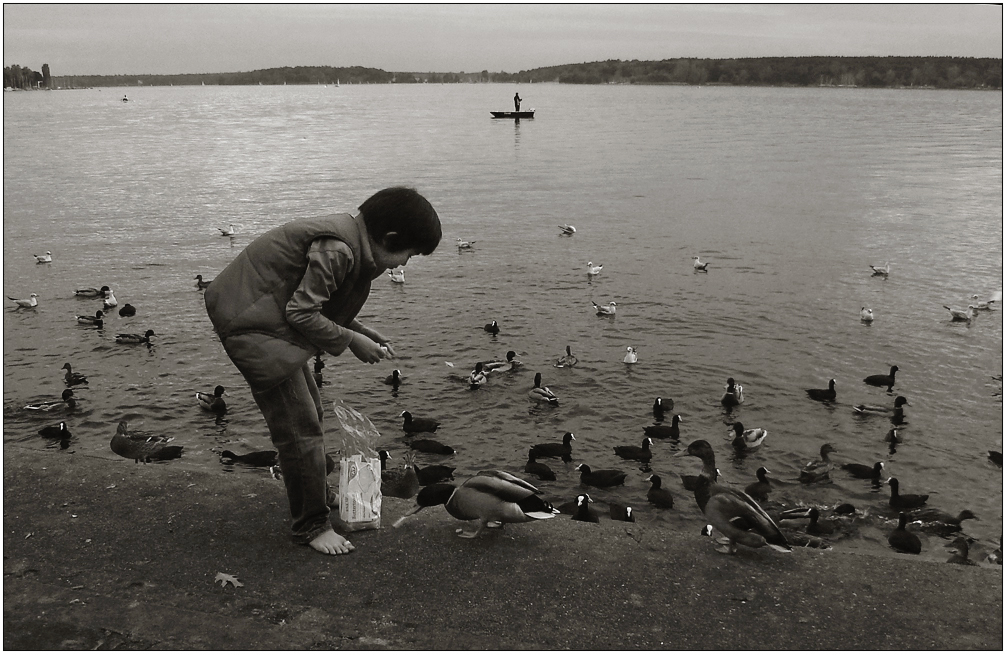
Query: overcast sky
[186,38]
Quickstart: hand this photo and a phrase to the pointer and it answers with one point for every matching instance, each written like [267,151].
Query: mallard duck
[594,270]
[743,439]
[477,377]
[67,399]
[759,490]
[464,245]
[880,270]
[818,470]
[600,478]
[96,320]
[127,310]
[961,547]
[567,229]
[961,315]
[142,446]
[90,292]
[109,301]
[865,472]
[401,482]
[507,364]
[395,379]
[819,526]
[702,449]
[134,338]
[904,501]
[699,265]
[640,453]
[201,283]
[630,357]
[43,259]
[658,495]
[72,378]
[495,496]
[431,446]
[880,409]
[734,394]
[738,517]
[397,276]
[903,540]
[881,380]
[492,327]
[542,394]
[621,512]
[254,458]
[823,394]
[561,450]
[939,522]
[662,405]
[414,425]
[229,231]
[569,360]
[664,431]
[583,511]
[866,314]
[56,432]
[212,402]
[538,469]
[29,302]
[604,310]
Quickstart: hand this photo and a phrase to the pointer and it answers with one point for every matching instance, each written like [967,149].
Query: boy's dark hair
[404,211]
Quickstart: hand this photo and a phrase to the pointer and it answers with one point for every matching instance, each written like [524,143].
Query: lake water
[789,194]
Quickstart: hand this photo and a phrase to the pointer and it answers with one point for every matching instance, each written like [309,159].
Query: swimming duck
[127,310]
[395,379]
[398,483]
[866,314]
[817,525]
[397,276]
[229,231]
[880,409]
[538,469]
[109,301]
[477,378]
[507,364]
[640,453]
[664,431]
[541,393]
[658,495]
[698,265]
[72,378]
[201,283]
[865,472]
[464,245]
[621,512]
[583,511]
[961,556]
[880,270]
[561,450]
[567,229]
[67,399]
[630,357]
[413,425]
[882,380]
[759,490]
[940,522]
[959,315]
[56,432]
[604,310]
[30,301]
[662,405]
[702,449]
[212,402]
[43,259]
[495,496]
[90,292]
[904,501]
[818,470]
[569,360]
[142,446]
[823,394]
[254,458]
[743,439]
[431,446]
[594,270]
[734,394]
[738,517]
[600,478]
[903,540]
[134,338]
[95,320]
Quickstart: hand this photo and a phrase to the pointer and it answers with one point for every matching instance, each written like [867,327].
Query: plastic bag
[359,471]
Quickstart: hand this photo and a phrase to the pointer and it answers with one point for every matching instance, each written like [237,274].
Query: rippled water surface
[789,194]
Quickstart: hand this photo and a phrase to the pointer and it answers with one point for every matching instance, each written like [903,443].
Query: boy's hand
[366,350]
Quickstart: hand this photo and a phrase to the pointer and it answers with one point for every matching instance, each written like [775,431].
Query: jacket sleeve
[329,261]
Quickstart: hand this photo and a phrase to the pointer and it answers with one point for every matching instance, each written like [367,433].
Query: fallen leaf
[224,578]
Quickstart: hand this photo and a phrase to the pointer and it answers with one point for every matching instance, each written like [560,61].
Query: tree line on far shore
[880,72]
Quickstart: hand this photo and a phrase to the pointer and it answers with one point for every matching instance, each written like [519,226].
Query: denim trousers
[293,413]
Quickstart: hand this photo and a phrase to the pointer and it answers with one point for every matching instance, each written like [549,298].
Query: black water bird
[583,511]
[561,450]
[538,469]
[414,425]
[262,458]
[823,394]
[759,490]
[883,380]
[904,501]
[601,477]
[658,495]
[903,540]
[641,453]
[664,431]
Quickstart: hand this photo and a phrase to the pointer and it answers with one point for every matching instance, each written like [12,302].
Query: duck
[621,512]
[47,406]
[882,380]
[395,379]
[567,229]
[29,302]
[600,478]
[996,457]
[127,310]
[56,432]
[134,338]
[699,265]
[982,304]
[996,555]
[903,540]
[658,495]
[464,245]
[492,327]
[759,490]
[569,360]
[201,283]
[640,453]
[538,469]
[818,470]
[880,270]
[142,446]
[561,450]
[431,446]
[412,425]
[477,377]
[90,292]
[604,310]
[904,501]
[508,364]
[229,231]
[212,402]
[866,314]
[594,270]
[397,276]
[865,472]
[43,259]
[823,394]
[542,394]
[96,320]
[254,458]
[664,431]
[961,555]
[941,522]
[583,511]
[318,366]
[630,357]
[398,483]
[109,301]
[738,517]
[900,401]
[72,378]
[702,449]
[818,526]
[662,405]
[744,440]
[961,315]
[734,394]
[489,496]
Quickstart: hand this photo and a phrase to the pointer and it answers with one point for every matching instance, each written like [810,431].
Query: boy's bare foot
[330,543]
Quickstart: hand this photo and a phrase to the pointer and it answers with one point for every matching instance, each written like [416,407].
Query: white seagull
[982,304]
[594,270]
[229,231]
[464,245]
[109,299]
[630,357]
[698,265]
[880,270]
[43,259]
[397,276]
[567,229]
[30,301]
[959,315]
[604,310]
[866,314]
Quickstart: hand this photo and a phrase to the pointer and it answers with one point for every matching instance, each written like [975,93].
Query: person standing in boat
[517,102]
